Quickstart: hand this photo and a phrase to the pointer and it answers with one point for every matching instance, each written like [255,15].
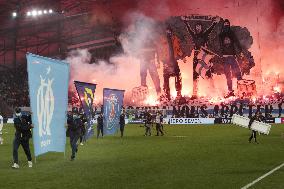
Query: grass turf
[216,156]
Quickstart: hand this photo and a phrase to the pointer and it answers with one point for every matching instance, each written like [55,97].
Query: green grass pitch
[216,156]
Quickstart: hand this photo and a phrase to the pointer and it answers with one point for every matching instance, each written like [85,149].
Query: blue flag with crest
[86,93]
[48,89]
[112,106]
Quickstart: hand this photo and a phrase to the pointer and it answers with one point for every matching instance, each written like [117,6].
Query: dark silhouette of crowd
[13,89]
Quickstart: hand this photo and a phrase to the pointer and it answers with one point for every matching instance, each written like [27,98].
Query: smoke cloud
[264,20]
[121,71]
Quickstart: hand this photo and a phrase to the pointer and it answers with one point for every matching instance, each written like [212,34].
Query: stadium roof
[54,27]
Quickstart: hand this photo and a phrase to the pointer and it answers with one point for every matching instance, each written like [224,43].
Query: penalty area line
[263,176]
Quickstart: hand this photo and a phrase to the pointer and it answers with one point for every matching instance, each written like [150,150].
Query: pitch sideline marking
[263,176]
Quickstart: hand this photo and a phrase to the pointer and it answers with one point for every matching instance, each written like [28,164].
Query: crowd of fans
[13,88]
[14,93]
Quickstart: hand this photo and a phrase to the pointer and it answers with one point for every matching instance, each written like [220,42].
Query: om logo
[45,106]
[112,109]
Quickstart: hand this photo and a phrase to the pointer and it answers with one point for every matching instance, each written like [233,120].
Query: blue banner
[48,87]
[112,105]
[86,93]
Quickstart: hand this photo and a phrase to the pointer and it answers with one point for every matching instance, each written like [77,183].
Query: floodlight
[34,12]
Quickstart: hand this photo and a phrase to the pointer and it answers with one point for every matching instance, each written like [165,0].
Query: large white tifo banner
[256,125]
[186,121]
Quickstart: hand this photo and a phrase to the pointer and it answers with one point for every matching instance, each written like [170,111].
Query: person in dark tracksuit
[161,121]
[256,117]
[74,132]
[148,123]
[122,123]
[158,124]
[23,134]
[100,125]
